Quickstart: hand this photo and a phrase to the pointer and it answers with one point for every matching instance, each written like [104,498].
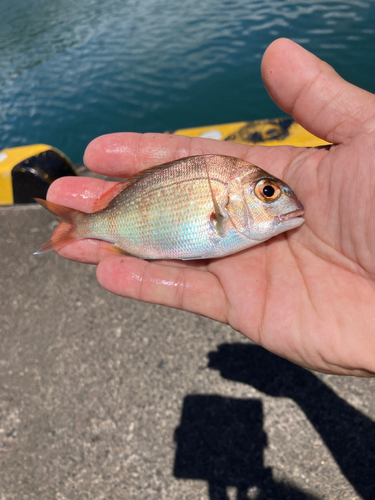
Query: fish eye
[267,190]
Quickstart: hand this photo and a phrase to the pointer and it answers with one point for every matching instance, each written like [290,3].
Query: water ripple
[73,69]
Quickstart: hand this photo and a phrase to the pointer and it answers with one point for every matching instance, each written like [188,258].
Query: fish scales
[197,207]
[168,214]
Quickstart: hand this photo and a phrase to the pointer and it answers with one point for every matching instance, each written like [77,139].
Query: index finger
[124,154]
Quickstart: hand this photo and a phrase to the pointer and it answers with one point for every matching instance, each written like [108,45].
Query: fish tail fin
[66,232]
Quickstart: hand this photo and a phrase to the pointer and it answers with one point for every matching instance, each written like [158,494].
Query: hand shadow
[221,440]
[348,434]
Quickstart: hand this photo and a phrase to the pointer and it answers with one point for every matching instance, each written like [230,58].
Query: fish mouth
[291,215]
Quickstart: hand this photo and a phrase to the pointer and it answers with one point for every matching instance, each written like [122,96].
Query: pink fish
[194,208]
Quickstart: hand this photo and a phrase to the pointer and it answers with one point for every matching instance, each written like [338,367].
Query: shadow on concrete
[221,440]
[348,434]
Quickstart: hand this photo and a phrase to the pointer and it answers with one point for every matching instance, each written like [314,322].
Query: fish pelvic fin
[216,216]
[66,232]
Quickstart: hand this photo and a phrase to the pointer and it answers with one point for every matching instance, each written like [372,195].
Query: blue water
[71,70]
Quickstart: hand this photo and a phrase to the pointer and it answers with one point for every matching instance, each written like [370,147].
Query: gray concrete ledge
[107,398]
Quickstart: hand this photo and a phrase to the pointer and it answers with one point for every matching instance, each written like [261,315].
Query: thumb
[314,94]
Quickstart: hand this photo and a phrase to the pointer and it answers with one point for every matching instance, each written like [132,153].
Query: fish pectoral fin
[218,222]
[217,217]
[237,210]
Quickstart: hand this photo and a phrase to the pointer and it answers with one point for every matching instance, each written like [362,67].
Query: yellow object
[271,132]
[26,172]
[9,158]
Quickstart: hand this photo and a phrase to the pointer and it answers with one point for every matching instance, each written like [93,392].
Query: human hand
[307,295]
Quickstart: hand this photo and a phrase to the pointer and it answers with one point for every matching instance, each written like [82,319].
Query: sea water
[71,70]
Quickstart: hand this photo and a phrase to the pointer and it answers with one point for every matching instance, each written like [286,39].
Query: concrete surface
[106,398]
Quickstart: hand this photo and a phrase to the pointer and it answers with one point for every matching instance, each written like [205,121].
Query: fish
[199,207]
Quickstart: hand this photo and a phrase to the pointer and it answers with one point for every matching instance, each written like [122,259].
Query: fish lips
[292,219]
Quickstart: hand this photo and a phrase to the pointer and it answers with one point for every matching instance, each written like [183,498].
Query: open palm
[307,295]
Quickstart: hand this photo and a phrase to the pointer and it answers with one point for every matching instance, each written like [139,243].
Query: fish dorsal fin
[149,171]
[152,170]
[109,195]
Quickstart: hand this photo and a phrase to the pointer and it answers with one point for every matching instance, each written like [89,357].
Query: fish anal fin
[109,195]
[114,248]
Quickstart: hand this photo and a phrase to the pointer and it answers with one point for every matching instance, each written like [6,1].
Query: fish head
[273,206]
